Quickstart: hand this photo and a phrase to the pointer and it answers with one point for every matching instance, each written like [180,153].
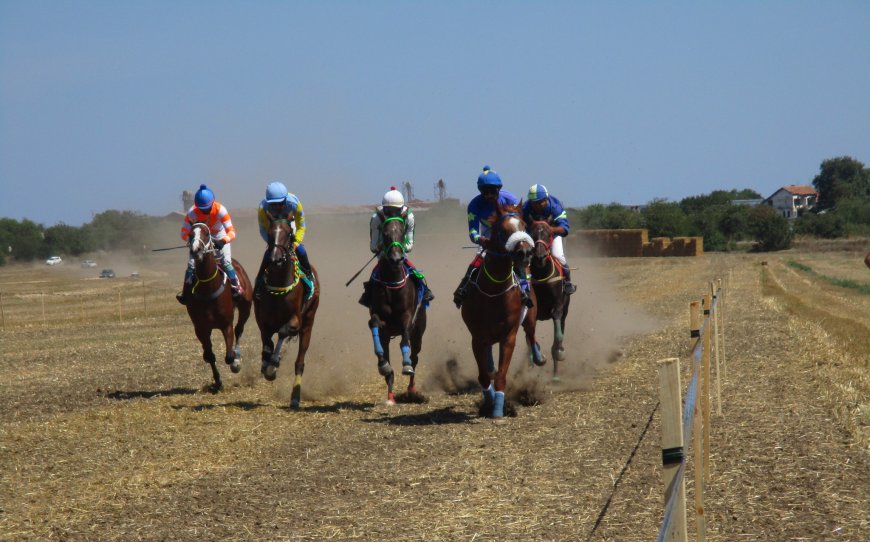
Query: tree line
[843,210]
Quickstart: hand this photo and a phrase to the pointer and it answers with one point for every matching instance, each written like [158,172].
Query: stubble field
[108,433]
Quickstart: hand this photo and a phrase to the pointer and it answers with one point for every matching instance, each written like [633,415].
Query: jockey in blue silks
[393,205]
[279,204]
[481,211]
[541,205]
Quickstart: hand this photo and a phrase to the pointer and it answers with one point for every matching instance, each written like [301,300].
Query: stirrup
[428,295]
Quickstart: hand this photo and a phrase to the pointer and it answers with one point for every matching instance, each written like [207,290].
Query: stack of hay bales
[635,243]
[614,243]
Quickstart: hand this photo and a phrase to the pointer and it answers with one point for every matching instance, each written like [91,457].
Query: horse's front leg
[204,336]
[229,341]
[268,369]
[505,352]
[405,346]
[244,308]
[529,327]
[416,346]
[483,357]
[304,342]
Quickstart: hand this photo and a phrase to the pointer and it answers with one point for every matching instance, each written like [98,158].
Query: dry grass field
[107,431]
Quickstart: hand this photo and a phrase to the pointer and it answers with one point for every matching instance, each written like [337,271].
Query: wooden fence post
[672,445]
[2,314]
[705,372]
[722,318]
[697,439]
[717,301]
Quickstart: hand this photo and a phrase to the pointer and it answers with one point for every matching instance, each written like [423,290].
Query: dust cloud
[341,353]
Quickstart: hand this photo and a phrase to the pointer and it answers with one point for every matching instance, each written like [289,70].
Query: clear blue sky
[122,105]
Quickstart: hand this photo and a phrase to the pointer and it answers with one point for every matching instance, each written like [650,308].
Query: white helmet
[393,198]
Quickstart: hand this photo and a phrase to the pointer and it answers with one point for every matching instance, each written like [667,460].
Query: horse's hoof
[391,399]
[294,404]
[557,378]
[235,366]
[270,372]
[408,370]
[500,420]
[385,370]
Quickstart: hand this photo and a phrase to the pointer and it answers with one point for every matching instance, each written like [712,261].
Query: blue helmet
[204,198]
[488,178]
[276,192]
[537,192]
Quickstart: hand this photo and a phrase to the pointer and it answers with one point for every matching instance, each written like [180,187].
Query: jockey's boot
[185,287]
[427,293]
[462,290]
[524,294]
[569,287]
[238,289]
[366,298]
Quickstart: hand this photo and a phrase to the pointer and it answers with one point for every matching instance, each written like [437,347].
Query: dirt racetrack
[106,432]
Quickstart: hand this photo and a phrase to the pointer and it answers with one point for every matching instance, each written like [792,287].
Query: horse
[284,307]
[867,259]
[396,307]
[548,283]
[210,303]
[493,309]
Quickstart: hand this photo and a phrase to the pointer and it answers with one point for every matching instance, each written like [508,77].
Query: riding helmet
[204,198]
[276,192]
[537,192]
[488,178]
[393,198]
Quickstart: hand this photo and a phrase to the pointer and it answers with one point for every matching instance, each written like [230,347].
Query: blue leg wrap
[488,394]
[406,355]
[376,336]
[498,405]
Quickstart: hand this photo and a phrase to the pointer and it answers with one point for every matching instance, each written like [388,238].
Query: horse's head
[393,232]
[199,243]
[509,235]
[280,242]
[542,235]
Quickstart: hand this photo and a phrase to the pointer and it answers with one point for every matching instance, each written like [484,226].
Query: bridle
[285,248]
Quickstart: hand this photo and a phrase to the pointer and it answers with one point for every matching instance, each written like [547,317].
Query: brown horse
[548,279]
[287,306]
[396,307]
[210,304]
[867,259]
[493,308]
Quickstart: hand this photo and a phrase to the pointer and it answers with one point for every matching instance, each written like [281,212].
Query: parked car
[89,263]
[54,260]
[107,274]
[135,275]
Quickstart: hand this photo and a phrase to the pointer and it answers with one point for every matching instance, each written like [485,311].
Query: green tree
[665,219]
[64,239]
[608,217]
[839,179]
[694,204]
[770,229]
[24,237]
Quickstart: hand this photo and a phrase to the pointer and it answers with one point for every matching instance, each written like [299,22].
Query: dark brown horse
[210,304]
[396,307]
[493,308]
[548,279]
[287,306]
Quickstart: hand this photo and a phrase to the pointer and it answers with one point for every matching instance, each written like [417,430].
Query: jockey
[280,204]
[393,205]
[540,205]
[210,212]
[480,212]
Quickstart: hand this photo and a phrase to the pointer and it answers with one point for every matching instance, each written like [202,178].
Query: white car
[54,260]
[89,263]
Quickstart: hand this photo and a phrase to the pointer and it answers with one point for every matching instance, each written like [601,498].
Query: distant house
[792,200]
